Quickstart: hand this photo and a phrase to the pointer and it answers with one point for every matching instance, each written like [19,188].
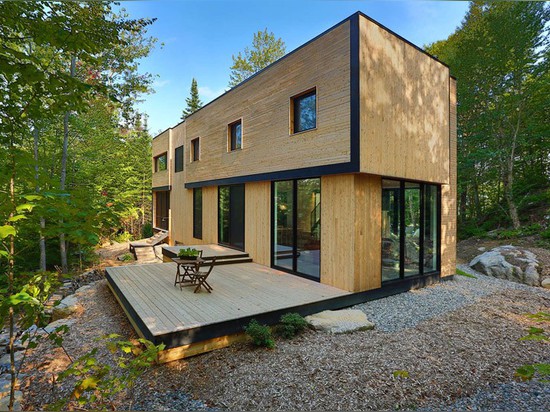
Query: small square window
[178,159]
[195,150]
[235,135]
[303,111]
[161,162]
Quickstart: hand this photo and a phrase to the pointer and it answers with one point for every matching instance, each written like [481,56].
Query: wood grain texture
[263,103]
[178,209]
[368,230]
[257,226]
[448,196]
[404,100]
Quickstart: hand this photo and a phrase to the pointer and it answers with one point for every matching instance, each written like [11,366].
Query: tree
[265,50]
[193,101]
[500,56]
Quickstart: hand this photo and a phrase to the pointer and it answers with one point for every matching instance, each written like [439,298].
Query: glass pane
[178,159]
[412,229]
[236,214]
[305,116]
[391,223]
[197,213]
[236,136]
[309,227]
[284,233]
[161,163]
[223,214]
[430,228]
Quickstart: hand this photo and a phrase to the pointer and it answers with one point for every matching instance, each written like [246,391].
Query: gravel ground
[458,341]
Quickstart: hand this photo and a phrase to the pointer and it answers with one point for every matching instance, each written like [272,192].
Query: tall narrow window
[160,162]
[235,135]
[197,213]
[178,159]
[303,111]
[430,228]
[195,150]
[391,229]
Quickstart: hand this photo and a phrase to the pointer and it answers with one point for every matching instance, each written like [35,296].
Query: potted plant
[188,253]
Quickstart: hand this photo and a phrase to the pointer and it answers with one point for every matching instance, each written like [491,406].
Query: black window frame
[401,193]
[294,107]
[197,212]
[232,138]
[178,159]
[156,161]
[195,149]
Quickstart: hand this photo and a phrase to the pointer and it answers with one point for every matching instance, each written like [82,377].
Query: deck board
[240,291]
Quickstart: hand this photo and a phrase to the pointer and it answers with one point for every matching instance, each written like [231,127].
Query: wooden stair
[145,254]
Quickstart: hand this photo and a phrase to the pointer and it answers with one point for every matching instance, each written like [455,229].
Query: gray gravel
[407,310]
[512,396]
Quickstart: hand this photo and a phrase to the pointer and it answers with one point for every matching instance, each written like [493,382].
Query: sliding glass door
[410,229]
[297,226]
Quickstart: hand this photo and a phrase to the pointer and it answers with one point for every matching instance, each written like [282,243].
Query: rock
[66,308]
[340,321]
[5,401]
[5,360]
[545,283]
[509,263]
[50,328]
[83,289]
[482,249]
[4,339]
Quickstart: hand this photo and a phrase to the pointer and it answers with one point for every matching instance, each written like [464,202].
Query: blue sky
[201,36]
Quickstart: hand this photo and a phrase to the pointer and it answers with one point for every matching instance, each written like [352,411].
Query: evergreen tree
[193,101]
[265,50]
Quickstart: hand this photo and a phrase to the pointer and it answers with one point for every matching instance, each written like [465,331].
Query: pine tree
[265,50]
[193,101]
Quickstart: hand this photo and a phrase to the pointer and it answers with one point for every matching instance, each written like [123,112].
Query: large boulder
[340,321]
[509,263]
[66,307]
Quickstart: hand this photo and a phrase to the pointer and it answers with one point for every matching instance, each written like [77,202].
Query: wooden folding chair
[199,277]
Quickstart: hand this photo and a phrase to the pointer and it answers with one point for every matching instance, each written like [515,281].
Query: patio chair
[199,277]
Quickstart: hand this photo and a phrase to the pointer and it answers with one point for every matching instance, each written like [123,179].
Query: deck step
[221,261]
[145,254]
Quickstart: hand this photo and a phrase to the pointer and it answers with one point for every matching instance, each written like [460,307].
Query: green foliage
[193,101]
[500,56]
[147,230]
[545,234]
[465,274]
[291,324]
[127,257]
[188,253]
[260,334]
[265,50]
[123,237]
[403,374]
[536,334]
[539,316]
[97,383]
[528,372]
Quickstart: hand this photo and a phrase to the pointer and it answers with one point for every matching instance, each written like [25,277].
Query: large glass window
[231,215]
[410,229]
[297,226]
[197,213]
[391,229]
[304,111]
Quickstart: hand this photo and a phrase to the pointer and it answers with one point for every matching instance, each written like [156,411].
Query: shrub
[127,257]
[291,324]
[545,234]
[260,334]
[147,230]
[123,237]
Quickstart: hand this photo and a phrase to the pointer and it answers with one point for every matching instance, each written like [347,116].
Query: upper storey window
[161,162]
[178,159]
[195,150]
[303,111]
[235,135]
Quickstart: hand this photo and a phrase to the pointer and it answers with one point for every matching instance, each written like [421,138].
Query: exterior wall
[263,104]
[257,221]
[350,231]
[448,197]
[161,144]
[404,108]
[178,209]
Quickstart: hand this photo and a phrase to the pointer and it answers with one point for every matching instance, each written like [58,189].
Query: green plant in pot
[188,253]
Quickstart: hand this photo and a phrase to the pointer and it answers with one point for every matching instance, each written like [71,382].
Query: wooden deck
[161,312]
[207,250]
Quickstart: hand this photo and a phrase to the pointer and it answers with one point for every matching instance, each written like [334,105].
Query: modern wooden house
[336,163]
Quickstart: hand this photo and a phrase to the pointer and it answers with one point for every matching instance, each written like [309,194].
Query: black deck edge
[130,310]
[233,326]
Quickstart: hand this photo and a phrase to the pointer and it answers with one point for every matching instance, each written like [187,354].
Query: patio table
[188,266]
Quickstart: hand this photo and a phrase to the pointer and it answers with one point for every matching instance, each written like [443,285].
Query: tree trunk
[42,239]
[62,243]
[11,272]
[508,179]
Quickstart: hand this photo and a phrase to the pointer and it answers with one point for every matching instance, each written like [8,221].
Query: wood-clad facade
[360,196]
